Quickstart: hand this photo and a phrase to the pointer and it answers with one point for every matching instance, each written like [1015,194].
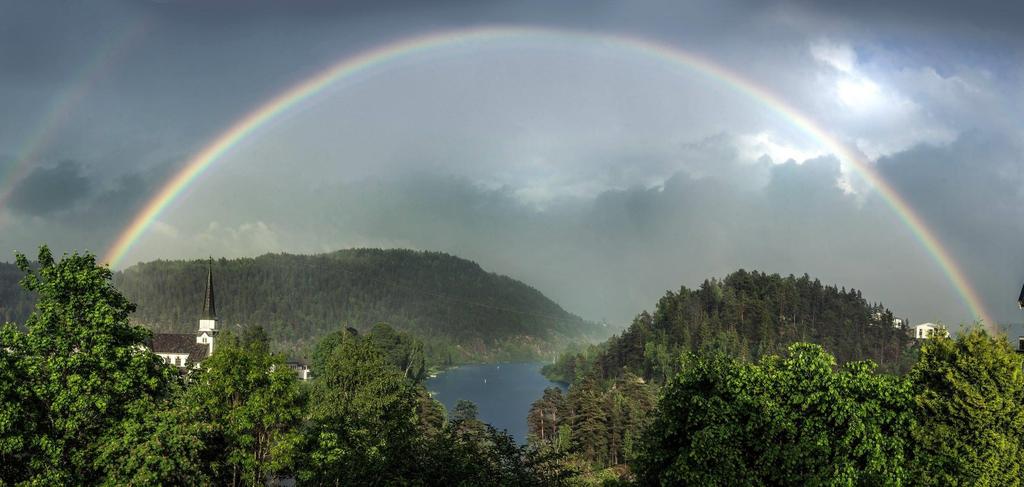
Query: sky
[597,174]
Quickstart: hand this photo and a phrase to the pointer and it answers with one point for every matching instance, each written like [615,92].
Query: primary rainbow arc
[349,66]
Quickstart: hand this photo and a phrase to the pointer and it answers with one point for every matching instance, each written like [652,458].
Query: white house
[927,330]
[189,349]
[300,368]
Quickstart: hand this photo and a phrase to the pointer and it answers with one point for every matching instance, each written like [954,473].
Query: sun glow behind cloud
[859,93]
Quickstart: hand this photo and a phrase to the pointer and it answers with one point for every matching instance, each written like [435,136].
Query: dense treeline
[599,425]
[746,315]
[800,418]
[743,399]
[463,312]
[957,418]
[83,403]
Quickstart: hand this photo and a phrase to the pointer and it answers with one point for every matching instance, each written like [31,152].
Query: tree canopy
[789,420]
[86,403]
[969,397]
[76,369]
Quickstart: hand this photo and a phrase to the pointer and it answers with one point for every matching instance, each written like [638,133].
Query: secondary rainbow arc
[63,105]
[405,48]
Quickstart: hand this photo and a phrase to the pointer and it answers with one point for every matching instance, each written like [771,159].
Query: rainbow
[61,106]
[406,48]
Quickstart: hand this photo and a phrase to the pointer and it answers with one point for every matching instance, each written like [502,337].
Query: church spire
[209,306]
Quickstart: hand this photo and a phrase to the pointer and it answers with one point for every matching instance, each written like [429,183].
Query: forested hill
[746,314]
[456,307]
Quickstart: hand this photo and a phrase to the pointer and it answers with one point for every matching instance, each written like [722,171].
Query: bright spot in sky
[860,93]
[755,146]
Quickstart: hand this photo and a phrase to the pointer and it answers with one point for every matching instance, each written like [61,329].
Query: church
[187,350]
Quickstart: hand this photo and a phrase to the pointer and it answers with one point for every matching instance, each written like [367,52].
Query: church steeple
[208,320]
[209,305]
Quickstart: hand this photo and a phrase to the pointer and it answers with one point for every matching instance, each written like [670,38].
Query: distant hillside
[456,307]
[746,314]
[15,302]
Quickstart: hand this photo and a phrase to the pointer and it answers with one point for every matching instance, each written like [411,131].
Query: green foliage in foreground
[793,420]
[74,372]
[969,395]
[956,419]
[84,403]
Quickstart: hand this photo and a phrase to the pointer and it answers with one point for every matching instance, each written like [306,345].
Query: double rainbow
[91,73]
[406,48]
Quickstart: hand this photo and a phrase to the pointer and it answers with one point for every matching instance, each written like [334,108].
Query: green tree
[362,425]
[546,415]
[401,350]
[589,419]
[793,420]
[17,422]
[429,412]
[254,402]
[167,443]
[969,396]
[255,335]
[81,369]
[483,456]
[465,411]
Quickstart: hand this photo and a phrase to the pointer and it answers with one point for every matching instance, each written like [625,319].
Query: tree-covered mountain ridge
[461,311]
[747,314]
[747,317]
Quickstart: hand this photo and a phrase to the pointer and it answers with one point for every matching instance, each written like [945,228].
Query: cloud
[47,190]
[970,193]
[599,176]
[838,56]
[611,254]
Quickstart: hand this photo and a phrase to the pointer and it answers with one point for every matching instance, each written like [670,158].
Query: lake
[503,392]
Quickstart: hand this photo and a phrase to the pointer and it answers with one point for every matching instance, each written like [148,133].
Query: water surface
[503,392]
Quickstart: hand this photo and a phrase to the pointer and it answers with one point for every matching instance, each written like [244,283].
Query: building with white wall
[928,330]
[300,368]
[189,349]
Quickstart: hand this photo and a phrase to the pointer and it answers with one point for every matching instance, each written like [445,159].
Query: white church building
[189,349]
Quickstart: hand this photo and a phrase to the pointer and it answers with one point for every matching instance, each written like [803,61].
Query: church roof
[180,343]
[209,305]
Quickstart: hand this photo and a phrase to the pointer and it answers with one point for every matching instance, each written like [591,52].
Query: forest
[746,315]
[463,312]
[710,363]
[85,403]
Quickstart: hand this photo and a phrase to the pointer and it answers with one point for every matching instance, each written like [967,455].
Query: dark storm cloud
[69,210]
[983,17]
[48,190]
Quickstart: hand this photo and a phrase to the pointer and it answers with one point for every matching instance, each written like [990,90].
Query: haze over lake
[503,392]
